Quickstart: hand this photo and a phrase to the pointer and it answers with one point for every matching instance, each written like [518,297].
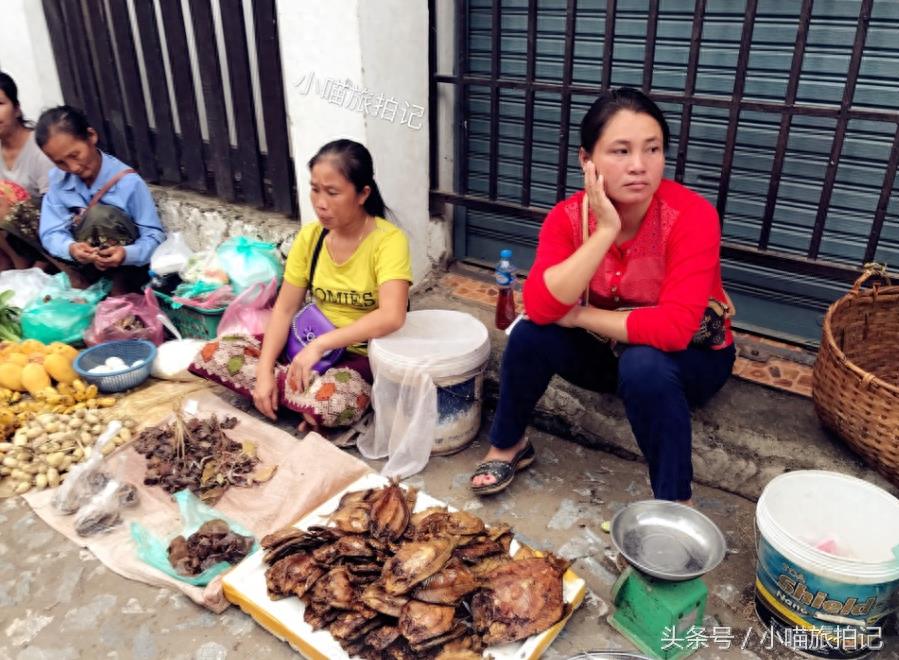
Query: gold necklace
[359,238]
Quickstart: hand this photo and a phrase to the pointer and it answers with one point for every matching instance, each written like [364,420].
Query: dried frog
[390,513]
[422,621]
[376,598]
[519,599]
[448,585]
[414,562]
[294,574]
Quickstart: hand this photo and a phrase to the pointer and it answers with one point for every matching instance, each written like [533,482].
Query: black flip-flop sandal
[503,472]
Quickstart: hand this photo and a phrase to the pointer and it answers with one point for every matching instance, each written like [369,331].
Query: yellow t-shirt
[346,292]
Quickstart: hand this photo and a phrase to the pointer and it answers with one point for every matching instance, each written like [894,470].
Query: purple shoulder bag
[310,322]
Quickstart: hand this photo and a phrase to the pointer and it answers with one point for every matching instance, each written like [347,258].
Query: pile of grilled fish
[389,583]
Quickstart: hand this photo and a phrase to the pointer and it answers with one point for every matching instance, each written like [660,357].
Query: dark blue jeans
[658,390]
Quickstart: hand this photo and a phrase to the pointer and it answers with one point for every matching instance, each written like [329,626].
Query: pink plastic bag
[132,316]
[221,297]
[249,313]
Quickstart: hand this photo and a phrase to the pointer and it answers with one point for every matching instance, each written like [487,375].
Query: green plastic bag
[155,551]
[247,261]
[61,313]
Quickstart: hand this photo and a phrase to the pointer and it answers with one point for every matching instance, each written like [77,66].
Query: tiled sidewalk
[776,372]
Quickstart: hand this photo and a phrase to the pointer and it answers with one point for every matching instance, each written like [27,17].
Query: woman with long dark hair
[23,180]
[355,266]
[625,296]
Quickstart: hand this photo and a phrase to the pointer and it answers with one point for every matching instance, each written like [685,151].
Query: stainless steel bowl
[667,540]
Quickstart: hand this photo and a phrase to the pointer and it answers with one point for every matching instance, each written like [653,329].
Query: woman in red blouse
[651,266]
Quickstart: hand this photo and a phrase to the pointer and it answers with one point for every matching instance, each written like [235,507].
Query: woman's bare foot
[308,424]
[495,454]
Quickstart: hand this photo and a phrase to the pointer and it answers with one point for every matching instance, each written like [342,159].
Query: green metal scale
[660,599]
[657,615]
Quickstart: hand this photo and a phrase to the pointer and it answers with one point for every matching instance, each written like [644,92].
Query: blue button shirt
[68,194]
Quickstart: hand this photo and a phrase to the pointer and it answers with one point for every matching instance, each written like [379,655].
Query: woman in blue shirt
[98,218]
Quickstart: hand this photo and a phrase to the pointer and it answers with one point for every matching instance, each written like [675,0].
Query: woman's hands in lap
[299,374]
[572,318]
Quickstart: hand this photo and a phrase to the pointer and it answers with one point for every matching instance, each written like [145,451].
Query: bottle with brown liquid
[505,283]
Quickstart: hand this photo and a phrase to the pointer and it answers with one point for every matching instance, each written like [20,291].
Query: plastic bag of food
[157,551]
[85,479]
[249,313]
[62,313]
[247,261]
[25,284]
[132,316]
[204,266]
[104,510]
[202,295]
[171,255]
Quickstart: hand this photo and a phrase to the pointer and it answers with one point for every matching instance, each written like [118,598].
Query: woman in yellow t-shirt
[361,284]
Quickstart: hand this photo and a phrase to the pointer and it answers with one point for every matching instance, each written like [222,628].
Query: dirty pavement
[58,602]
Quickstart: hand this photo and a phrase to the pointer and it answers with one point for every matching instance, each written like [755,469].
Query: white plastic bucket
[828,570]
[453,349]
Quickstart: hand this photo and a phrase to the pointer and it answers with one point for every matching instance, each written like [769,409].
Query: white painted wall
[381,48]
[25,54]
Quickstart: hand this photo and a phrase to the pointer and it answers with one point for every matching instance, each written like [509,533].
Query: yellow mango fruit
[30,346]
[59,367]
[66,350]
[35,378]
[11,376]
[17,358]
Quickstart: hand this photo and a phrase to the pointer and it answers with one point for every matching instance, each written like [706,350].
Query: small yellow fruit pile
[30,367]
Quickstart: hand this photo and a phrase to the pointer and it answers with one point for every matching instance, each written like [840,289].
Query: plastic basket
[129,350]
[192,322]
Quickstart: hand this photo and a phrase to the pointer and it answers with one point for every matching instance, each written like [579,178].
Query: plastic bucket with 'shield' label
[828,562]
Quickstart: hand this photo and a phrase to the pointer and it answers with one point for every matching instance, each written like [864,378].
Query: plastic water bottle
[505,282]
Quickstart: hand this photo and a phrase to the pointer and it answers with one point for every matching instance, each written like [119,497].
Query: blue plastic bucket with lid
[828,562]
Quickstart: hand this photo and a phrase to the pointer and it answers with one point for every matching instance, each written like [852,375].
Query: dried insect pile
[388,583]
[212,543]
[197,454]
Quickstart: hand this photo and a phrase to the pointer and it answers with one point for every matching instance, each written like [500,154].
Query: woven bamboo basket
[856,376]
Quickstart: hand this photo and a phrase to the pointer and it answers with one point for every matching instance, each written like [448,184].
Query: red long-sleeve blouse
[669,270]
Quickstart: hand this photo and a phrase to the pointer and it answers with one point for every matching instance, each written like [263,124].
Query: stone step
[746,435]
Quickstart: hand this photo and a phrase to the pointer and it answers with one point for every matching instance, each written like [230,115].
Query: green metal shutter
[773,301]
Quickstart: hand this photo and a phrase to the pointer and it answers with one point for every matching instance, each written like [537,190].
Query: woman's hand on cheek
[607,217]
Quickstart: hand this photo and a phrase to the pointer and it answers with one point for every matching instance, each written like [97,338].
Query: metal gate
[783,116]
[151,76]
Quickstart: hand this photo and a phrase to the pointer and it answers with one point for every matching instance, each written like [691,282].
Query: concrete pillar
[26,55]
[359,69]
